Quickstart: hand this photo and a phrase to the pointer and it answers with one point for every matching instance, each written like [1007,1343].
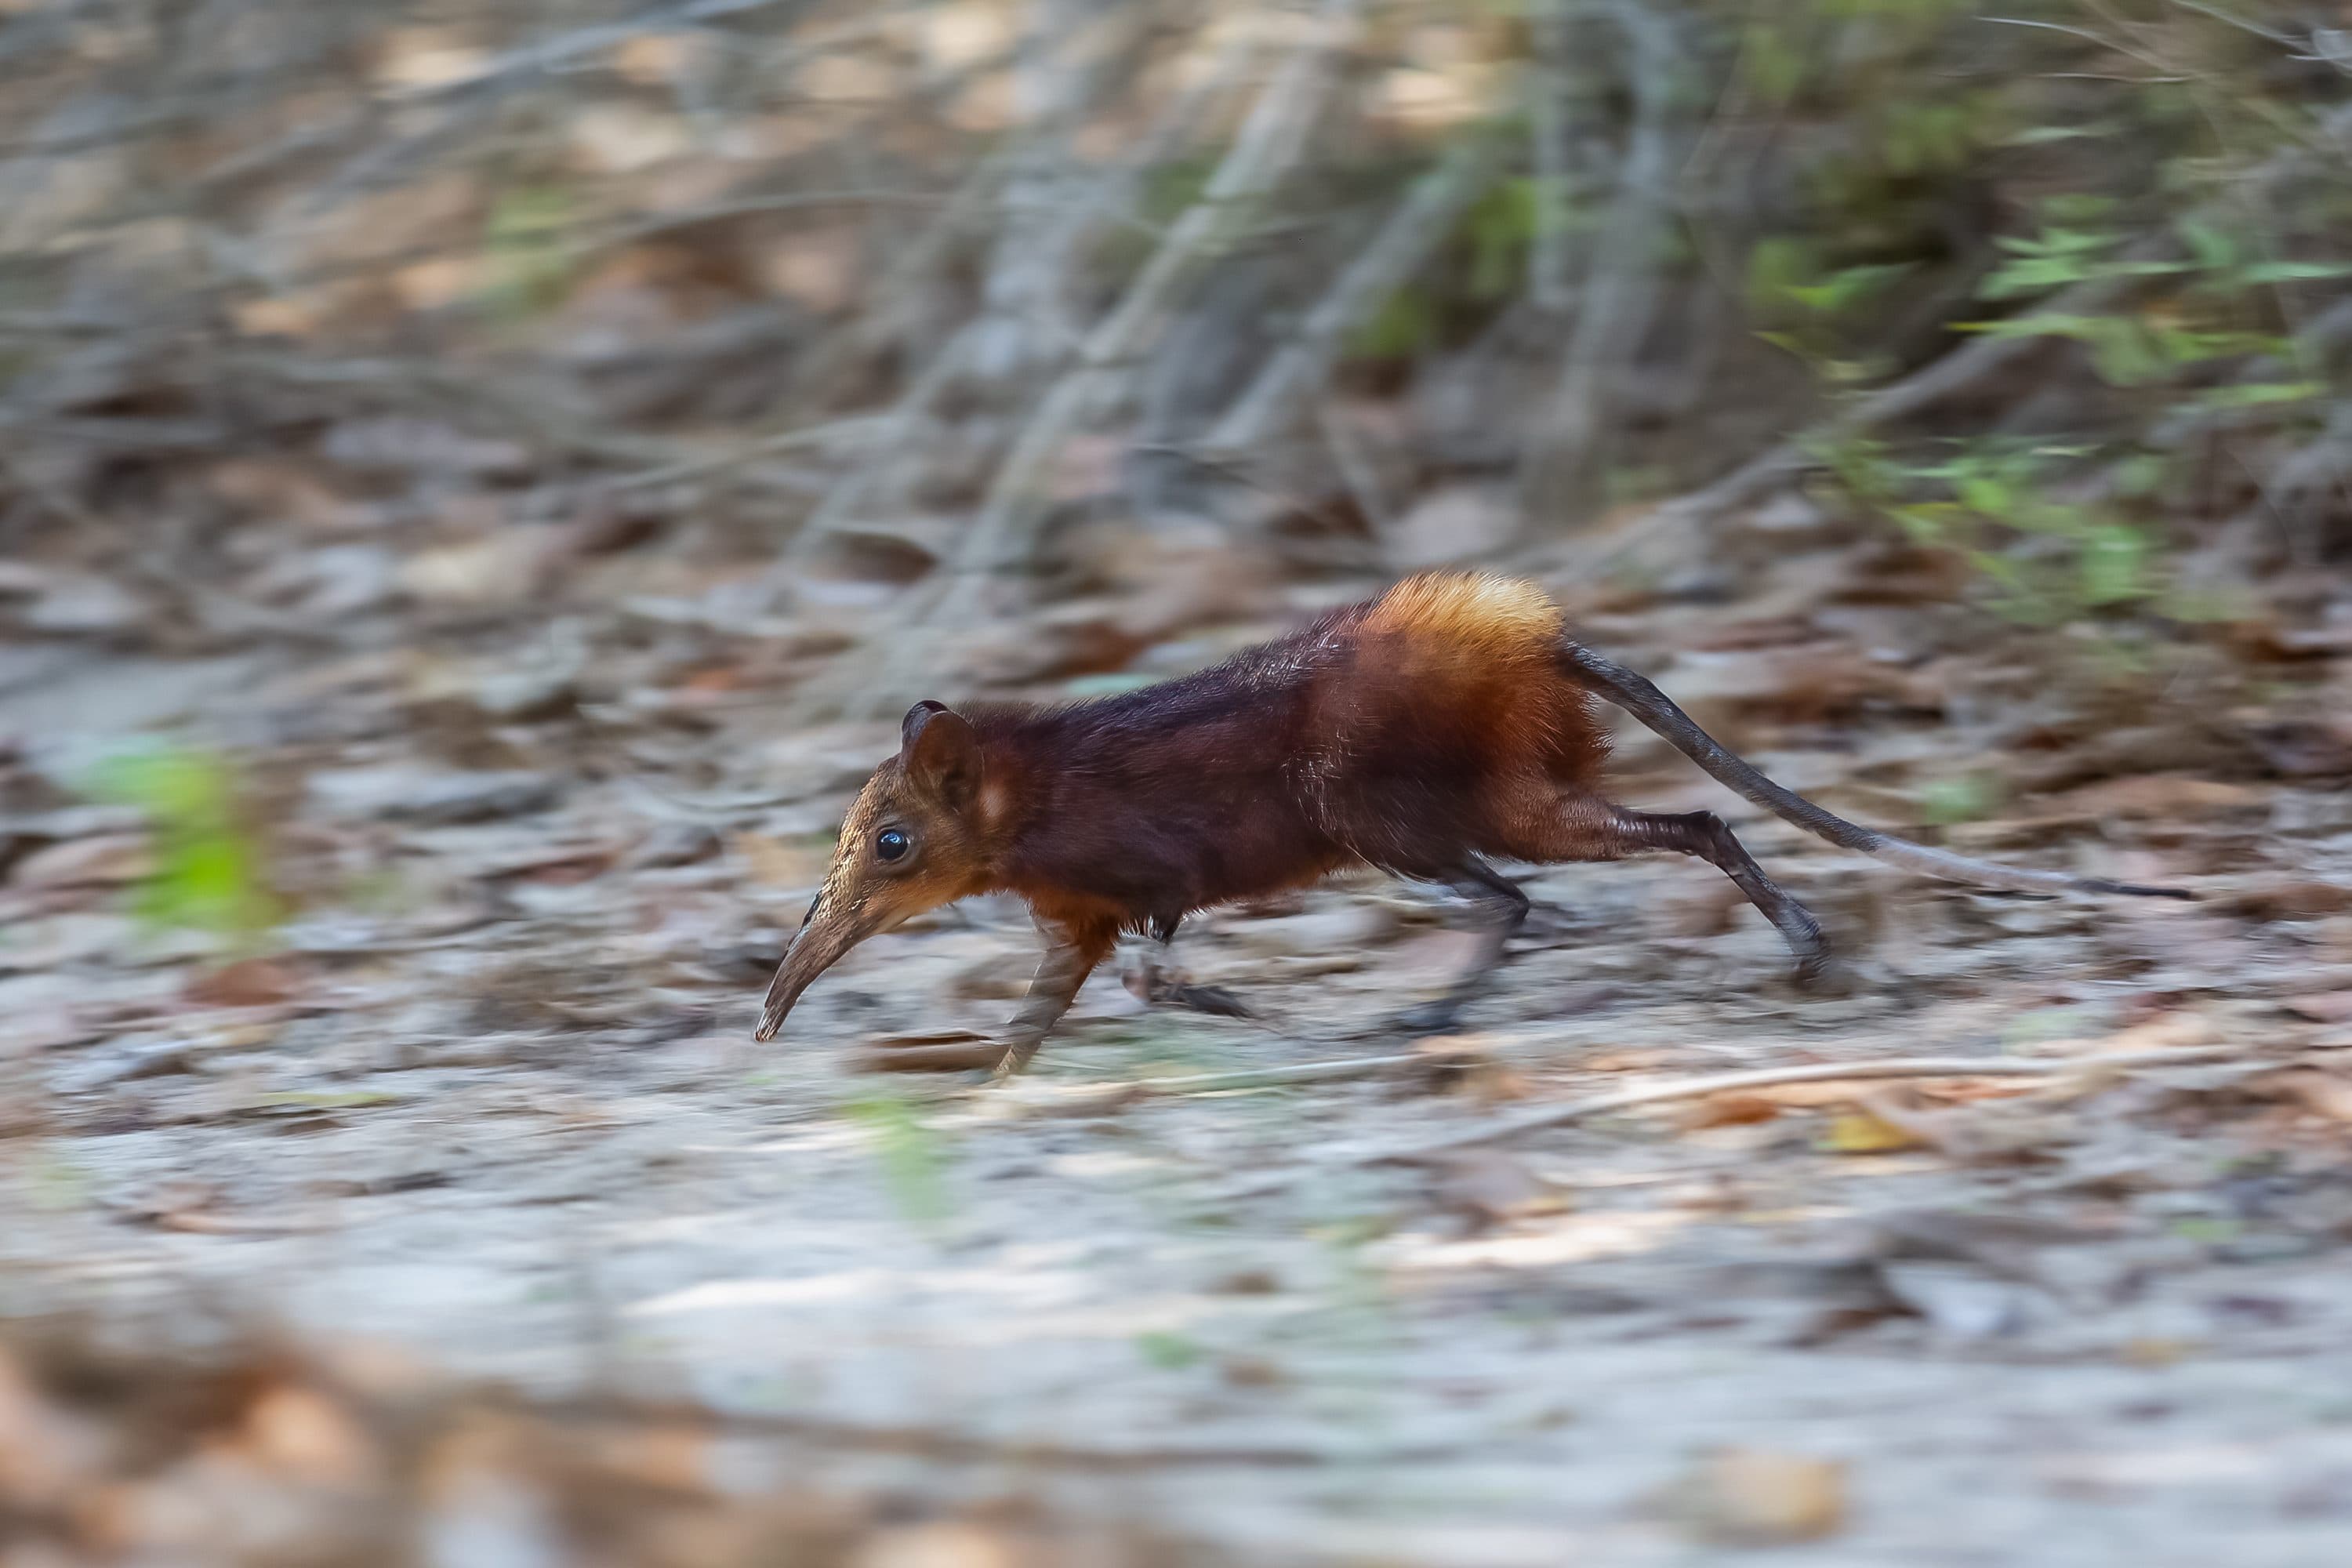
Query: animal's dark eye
[890,843]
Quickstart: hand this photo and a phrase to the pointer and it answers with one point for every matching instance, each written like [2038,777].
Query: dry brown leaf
[1488,1186]
[2298,749]
[2291,899]
[1729,1110]
[2321,1007]
[44,1453]
[247,983]
[507,567]
[2175,1028]
[2327,1094]
[1701,908]
[301,1433]
[672,1456]
[1252,1372]
[1900,1109]
[1466,1065]
[1760,1497]
[2155,795]
[1809,1096]
[938,1545]
[1987,1130]
[107,860]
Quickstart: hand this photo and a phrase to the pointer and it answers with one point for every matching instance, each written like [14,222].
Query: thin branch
[849,494]
[1510,1127]
[1550,94]
[1268,144]
[1282,1076]
[1621,296]
[1418,226]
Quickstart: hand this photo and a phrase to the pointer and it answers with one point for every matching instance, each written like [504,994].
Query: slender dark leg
[1543,824]
[1071,954]
[1705,834]
[1501,908]
[1159,981]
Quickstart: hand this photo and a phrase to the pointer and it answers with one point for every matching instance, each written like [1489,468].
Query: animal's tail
[1636,695]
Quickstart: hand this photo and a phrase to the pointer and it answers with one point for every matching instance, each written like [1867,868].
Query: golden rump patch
[1499,622]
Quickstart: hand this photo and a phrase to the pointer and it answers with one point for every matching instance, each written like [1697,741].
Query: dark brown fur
[1443,723]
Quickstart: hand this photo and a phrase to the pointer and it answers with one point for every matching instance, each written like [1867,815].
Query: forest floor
[489,1093]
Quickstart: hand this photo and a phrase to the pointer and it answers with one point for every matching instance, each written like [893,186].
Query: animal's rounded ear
[942,751]
[917,717]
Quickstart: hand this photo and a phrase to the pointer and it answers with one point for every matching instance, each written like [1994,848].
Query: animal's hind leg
[1502,909]
[1594,830]
[1706,836]
[1156,980]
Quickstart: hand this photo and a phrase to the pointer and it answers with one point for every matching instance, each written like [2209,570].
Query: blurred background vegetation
[900,291]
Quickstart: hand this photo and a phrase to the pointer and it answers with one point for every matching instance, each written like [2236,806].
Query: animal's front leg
[1071,953]
[1159,981]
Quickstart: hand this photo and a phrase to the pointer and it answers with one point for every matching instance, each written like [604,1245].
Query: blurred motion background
[478,484]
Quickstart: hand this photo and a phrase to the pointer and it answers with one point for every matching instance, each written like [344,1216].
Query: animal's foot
[1171,988]
[1210,999]
[1441,1016]
[1013,1062]
[1815,962]
[1819,972]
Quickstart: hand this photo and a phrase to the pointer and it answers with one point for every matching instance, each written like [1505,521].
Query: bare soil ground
[488,1094]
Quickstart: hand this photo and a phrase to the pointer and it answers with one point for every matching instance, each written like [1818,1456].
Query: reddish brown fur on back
[1405,733]
[1376,735]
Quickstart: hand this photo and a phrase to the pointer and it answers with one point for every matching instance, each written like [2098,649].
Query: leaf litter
[454,1058]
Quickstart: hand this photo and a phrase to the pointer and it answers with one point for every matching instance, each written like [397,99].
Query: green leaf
[1967,797]
[2258,394]
[522,240]
[2207,605]
[909,1155]
[2214,248]
[2043,135]
[1846,287]
[2294,271]
[1986,497]
[1778,264]
[1501,227]
[2125,353]
[1775,63]
[2115,564]
[1169,1352]
[1399,329]
[209,870]
[1997,567]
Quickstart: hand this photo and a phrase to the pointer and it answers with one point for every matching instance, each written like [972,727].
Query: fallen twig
[1272,1077]
[1766,1078]
[950,1445]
